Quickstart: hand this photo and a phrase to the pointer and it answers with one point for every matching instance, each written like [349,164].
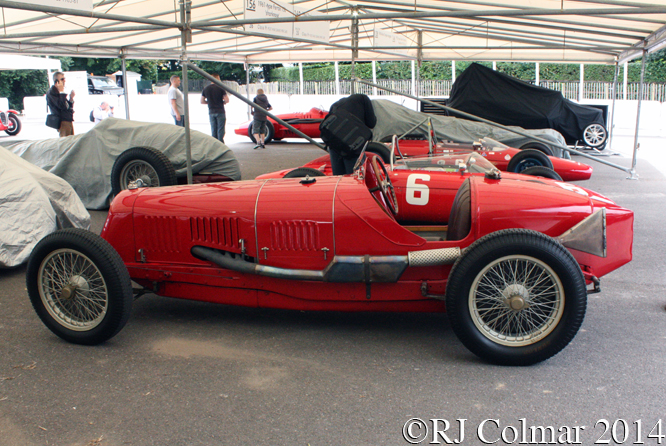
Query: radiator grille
[162,234]
[294,235]
[220,231]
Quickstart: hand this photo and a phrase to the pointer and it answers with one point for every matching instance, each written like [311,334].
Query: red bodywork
[307,123]
[297,224]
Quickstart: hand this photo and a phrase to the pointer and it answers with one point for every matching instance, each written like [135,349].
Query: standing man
[176,101]
[260,123]
[359,106]
[61,105]
[101,112]
[215,96]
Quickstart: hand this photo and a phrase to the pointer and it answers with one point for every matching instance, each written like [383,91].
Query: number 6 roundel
[417,193]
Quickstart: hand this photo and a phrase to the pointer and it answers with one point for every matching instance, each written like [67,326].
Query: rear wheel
[545,172]
[516,297]
[270,129]
[528,158]
[380,149]
[302,172]
[537,146]
[595,135]
[79,286]
[13,124]
[151,166]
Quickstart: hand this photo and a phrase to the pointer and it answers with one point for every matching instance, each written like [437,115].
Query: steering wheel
[383,185]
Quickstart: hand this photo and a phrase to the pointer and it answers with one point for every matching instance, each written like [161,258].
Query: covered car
[507,100]
[104,160]
[510,260]
[33,204]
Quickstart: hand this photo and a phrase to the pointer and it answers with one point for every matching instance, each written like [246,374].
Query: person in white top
[176,101]
[102,111]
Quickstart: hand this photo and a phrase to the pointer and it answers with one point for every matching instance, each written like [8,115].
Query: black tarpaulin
[509,101]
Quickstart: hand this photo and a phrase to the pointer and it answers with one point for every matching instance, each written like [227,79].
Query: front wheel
[270,129]
[13,124]
[537,146]
[149,165]
[79,286]
[539,171]
[516,297]
[302,172]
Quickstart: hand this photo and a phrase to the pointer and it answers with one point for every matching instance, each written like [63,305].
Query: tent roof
[16,62]
[590,31]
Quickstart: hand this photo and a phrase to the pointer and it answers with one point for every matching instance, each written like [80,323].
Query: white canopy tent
[265,31]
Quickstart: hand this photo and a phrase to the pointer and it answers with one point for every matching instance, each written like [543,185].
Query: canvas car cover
[509,101]
[394,118]
[85,161]
[33,203]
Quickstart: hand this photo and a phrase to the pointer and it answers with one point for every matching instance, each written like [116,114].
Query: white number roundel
[417,193]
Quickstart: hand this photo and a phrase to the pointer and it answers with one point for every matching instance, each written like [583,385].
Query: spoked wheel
[150,166]
[516,297]
[595,135]
[13,124]
[270,129]
[79,286]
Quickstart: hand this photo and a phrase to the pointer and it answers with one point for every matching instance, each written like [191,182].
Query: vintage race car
[511,261]
[307,123]
[527,161]
[10,122]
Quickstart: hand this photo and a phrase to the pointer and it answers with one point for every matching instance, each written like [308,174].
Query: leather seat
[460,218]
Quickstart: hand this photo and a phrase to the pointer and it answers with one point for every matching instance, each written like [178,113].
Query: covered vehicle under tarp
[85,161]
[33,204]
[394,119]
[509,101]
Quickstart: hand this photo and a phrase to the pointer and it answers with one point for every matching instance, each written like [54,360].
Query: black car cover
[509,101]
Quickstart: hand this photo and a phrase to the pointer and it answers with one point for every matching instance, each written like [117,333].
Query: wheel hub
[516,297]
[77,284]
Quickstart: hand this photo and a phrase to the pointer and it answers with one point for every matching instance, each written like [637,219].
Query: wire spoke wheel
[595,135]
[73,290]
[139,169]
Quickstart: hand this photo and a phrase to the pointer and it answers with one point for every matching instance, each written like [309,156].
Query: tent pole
[354,38]
[247,89]
[633,175]
[611,124]
[124,69]
[337,79]
[185,5]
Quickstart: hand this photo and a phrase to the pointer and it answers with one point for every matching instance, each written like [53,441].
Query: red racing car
[307,123]
[526,161]
[511,261]
[10,122]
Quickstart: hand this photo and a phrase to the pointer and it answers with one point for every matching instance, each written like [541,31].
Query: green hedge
[655,71]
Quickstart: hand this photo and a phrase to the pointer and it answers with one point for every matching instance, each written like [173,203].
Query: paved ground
[187,373]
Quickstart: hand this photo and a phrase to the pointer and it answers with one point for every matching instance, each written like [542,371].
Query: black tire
[537,146]
[302,172]
[528,158]
[539,171]
[14,124]
[381,150]
[595,135]
[146,163]
[88,268]
[269,136]
[492,285]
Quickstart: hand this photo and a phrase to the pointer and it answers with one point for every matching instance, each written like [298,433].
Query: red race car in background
[526,161]
[10,122]
[509,260]
[307,123]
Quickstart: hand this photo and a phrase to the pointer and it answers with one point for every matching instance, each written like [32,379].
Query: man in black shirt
[216,97]
[360,106]
[61,105]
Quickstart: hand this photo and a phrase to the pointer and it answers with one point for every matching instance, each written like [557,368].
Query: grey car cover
[394,118]
[33,203]
[85,161]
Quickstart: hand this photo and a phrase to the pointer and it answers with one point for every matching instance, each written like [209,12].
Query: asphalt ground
[189,373]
